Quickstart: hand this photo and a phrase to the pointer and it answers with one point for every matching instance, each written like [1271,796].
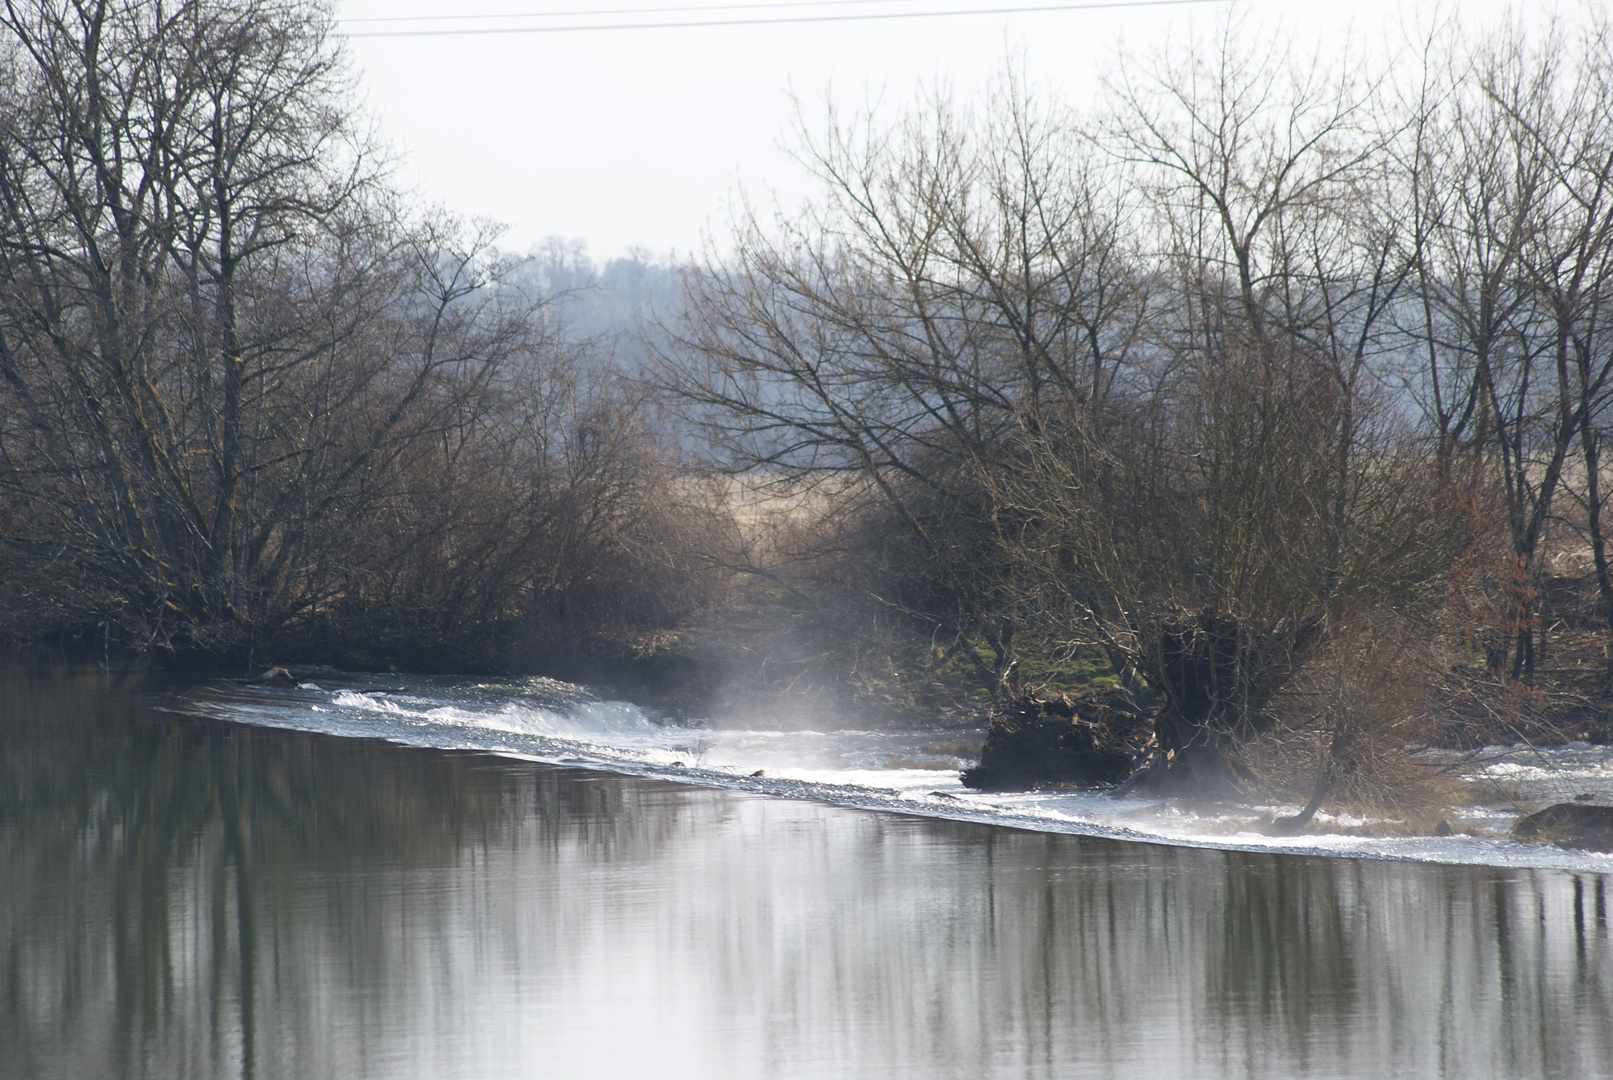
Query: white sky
[642,137]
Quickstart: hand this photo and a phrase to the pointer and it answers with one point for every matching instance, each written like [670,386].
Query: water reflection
[191,898]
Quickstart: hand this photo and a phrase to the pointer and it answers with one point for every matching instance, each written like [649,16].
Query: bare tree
[886,343]
[1503,203]
[1126,390]
[1265,484]
[249,397]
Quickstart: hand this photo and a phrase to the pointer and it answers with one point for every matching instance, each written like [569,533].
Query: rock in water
[1033,743]
[1573,825]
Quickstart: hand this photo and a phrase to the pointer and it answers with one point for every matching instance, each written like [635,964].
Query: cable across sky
[597,12]
[680,24]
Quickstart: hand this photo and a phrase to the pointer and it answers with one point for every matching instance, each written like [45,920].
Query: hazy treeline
[613,305]
[1271,365]
[253,399]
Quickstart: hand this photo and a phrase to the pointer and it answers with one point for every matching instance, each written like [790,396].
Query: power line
[621,11]
[789,19]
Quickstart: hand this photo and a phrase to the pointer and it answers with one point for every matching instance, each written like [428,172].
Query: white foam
[913,772]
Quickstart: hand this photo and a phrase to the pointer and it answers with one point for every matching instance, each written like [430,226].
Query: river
[391,877]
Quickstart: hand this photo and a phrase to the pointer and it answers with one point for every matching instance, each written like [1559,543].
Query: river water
[367,877]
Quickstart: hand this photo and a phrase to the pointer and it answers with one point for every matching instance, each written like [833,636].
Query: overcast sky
[641,137]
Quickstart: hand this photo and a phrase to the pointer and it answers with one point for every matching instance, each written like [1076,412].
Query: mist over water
[184,895]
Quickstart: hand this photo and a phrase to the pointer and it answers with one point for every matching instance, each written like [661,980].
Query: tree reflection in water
[189,898]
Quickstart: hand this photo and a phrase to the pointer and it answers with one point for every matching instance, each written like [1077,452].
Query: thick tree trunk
[1216,677]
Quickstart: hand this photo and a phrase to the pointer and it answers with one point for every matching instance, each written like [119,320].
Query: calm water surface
[188,897]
